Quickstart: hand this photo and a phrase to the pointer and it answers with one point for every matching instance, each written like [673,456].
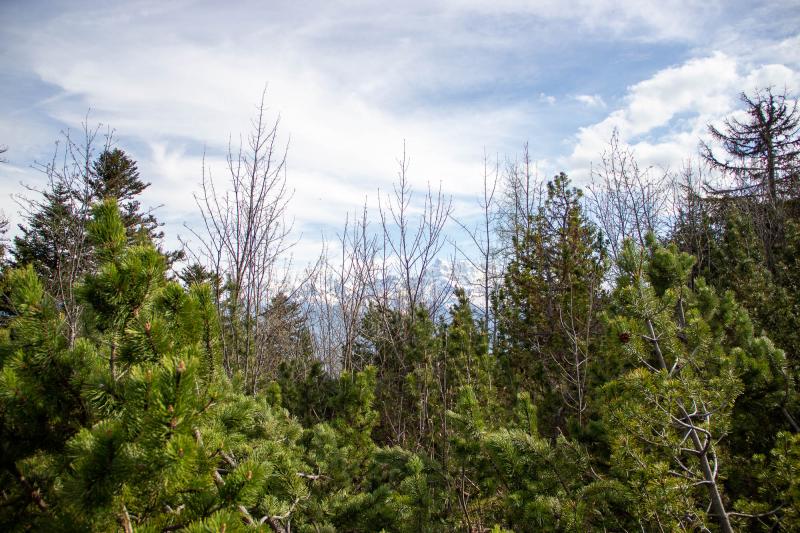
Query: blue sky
[352,80]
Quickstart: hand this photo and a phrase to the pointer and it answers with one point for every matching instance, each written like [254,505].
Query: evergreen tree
[655,402]
[48,239]
[678,413]
[115,175]
[403,348]
[736,259]
[548,308]
[155,439]
[41,400]
[286,334]
[55,228]
[763,152]
[195,273]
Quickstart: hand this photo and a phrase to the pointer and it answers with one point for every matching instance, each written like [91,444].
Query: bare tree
[690,228]
[402,289]
[625,200]
[356,265]
[409,248]
[243,239]
[339,293]
[524,194]
[3,238]
[321,310]
[483,256]
[55,237]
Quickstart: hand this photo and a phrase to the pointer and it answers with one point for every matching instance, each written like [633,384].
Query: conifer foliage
[662,400]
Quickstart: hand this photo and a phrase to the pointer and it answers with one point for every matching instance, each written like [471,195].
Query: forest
[619,356]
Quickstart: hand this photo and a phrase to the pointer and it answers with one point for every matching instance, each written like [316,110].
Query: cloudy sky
[353,80]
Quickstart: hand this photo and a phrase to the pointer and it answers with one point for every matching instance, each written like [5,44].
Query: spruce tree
[762,153]
[47,239]
[115,175]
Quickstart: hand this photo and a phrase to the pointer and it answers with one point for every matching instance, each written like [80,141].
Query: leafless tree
[484,249]
[689,227]
[410,247]
[625,200]
[243,240]
[339,293]
[386,271]
[68,182]
[3,238]
[402,286]
[523,196]
[321,310]
[356,265]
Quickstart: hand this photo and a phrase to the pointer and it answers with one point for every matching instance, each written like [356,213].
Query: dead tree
[410,246]
[403,288]
[523,195]
[243,240]
[625,200]
[3,239]
[339,293]
[483,256]
[54,237]
[355,267]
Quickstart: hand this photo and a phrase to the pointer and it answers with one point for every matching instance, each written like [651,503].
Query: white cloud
[548,99]
[178,94]
[591,100]
[773,75]
[664,116]
[648,20]
[700,88]
[353,80]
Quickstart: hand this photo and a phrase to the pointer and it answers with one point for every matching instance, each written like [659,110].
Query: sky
[355,81]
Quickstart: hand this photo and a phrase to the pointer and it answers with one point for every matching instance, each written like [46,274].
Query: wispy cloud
[351,81]
[591,100]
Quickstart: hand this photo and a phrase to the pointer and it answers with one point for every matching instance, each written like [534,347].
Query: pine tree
[403,349]
[41,400]
[693,362]
[195,273]
[54,237]
[156,439]
[56,225]
[737,260]
[45,241]
[548,308]
[517,479]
